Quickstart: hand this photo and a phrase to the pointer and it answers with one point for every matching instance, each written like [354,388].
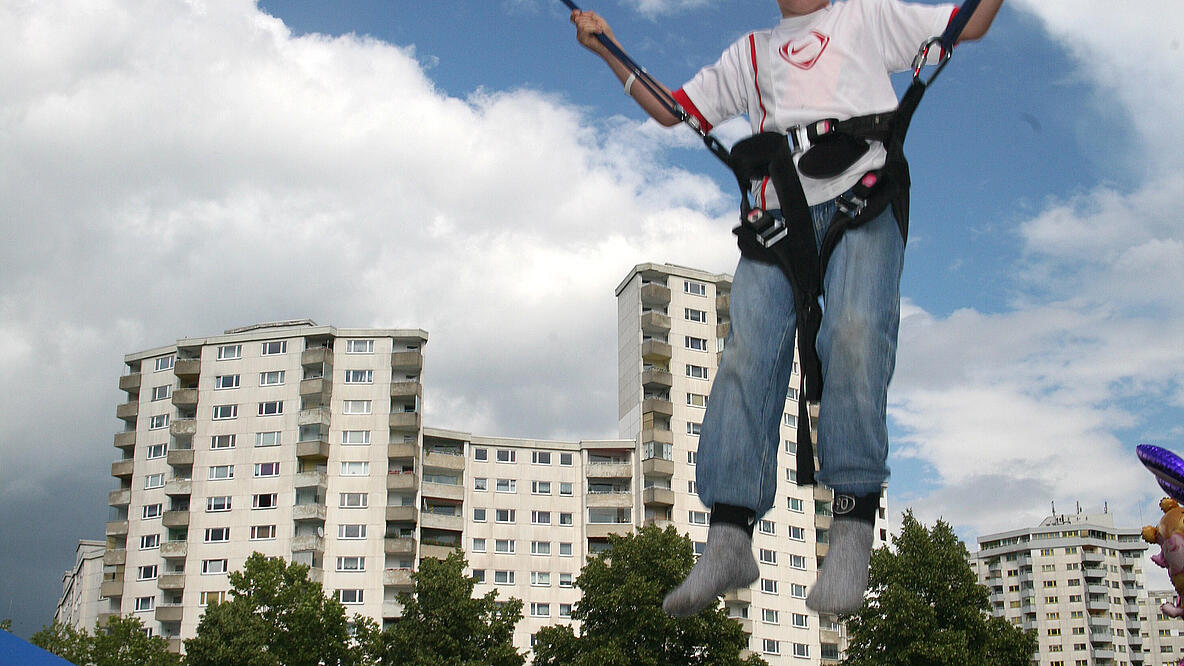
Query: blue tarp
[15,650]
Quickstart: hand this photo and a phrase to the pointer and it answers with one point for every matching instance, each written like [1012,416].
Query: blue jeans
[739,440]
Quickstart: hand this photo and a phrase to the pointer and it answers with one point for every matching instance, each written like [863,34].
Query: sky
[176,169]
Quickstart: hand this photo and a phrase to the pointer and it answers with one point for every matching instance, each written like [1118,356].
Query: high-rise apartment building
[1162,637]
[672,323]
[1077,580]
[80,601]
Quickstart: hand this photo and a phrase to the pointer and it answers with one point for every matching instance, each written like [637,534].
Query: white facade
[672,323]
[1162,636]
[80,602]
[1077,580]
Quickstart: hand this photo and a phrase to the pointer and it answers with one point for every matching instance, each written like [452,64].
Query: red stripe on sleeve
[687,105]
[756,84]
[952,15]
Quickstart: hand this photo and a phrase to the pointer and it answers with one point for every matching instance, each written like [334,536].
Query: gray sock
[843,579]
[726,564]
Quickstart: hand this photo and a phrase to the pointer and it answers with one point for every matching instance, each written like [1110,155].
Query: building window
[694,288]
[355,407]
[796,505]
[222,441]
[797,533]
[265,501]
[226,382]
[540,517]
[696,371]
[213,566]
[355,468]
[503,577]
[768,586]
[696,400]
[767,527]
[359,376]
[801,620]
[351,563]
[153,481]
[162,392]
[147,572]
[230,352]
[698,316]
[540,487]
[145,603]
[480,484]
[565,489]
[225,412]
[770,616]
[540,457]
[792,394]
[274,347]
[159,421]
[271,408]
[149,541]
[480,454]
[150,511]
[797,562]
[540,547]
[565,580]
[503,515]
[695,344]
[157,451]
[505,455]
[770,646]
[351,531]
[221,472]
[353,501]
[359,346]
[262,532]
[507,486]
[565,611]
[565,549]
[697,517]
[218,503]
[479,575]
[267,469]
[271,378]
[801,650]
[352,597]
[355,437]
[271,438]
[538,609]
[540,579]
[217,534]
[479,545]
[768,556]
[504,546]
[208,598]
[565,519]
[790,420]
[565,459]
[164,363]
[478,514]
[797,591]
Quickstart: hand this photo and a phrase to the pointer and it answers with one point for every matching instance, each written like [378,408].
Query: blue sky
[176,169]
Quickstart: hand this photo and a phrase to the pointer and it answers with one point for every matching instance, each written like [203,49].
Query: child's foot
[843,579]
[726,564]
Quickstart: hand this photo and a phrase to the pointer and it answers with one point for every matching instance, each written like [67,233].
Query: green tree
[65,641]
[122,641]
[274,615]
[925,607]
[623,623]
[443,625]
[6,624]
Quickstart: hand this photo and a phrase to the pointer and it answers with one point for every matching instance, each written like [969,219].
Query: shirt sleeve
[902,27]
[718,91]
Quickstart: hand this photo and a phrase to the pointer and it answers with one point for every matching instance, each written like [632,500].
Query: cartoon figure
[1169,535]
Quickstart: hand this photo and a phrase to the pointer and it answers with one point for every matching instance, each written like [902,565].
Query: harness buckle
[851,205]
[768,228]
[799,139]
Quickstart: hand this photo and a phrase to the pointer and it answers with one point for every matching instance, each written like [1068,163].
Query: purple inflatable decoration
[1167,467]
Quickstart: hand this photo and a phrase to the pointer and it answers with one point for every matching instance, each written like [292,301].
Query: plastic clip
[768,228]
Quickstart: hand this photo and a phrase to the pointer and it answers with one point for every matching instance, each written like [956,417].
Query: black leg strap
[856,507]
[740,516]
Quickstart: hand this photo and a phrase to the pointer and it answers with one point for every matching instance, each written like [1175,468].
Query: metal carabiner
[919,61]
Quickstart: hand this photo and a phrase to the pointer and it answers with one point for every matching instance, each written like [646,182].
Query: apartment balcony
[829,636]
[121,469]
[112,585]
[115,556]
[313,416]
[128,411]
[657,497]
[308,542]
[1092,557]
[722,329]
[392,609]
[1097,589]
[656,379]
[175,519]
[611,499]
[309,480]
[130,382]
[655,322]
[405,421]
[407,361]
[438,552]
[178,487]
[445,491]
[602,530]
[1097,604]
[121,497]
[658,467]
[174,550]
[125,440]
[723,304]
[104,617]
[180,457]
[744,622]
[310,512]
[170,613]
[1101,656]
[317,389]
[653,293]
[439,521]
[658,435]
[408,389]
[822,522]
[312,451]
[187,368]
[823,494]
[821,549]
[660,523]
[171,581]
[183,427]
[402,481]
[398,546]
[397,578]
[443,461]
[741,595]
[656,351]
[175,644]
[658,406]
[316,574]
[401,450]
[316,356]
[401,514]
[185,398]
[606,470]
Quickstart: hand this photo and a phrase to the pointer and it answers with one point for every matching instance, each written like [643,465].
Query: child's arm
[981,20]
[588,25]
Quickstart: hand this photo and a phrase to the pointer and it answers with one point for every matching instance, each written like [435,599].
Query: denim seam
[791,326]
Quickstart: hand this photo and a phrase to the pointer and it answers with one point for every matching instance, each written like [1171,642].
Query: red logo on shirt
[804,51]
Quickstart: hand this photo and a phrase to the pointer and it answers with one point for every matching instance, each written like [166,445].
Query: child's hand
[588,25]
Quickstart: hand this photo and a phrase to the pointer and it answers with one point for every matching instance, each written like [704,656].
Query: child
[821,61]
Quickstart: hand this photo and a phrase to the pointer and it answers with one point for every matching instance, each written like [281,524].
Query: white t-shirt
[832,63]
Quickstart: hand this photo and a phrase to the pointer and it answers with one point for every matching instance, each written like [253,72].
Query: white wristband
[629,83]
